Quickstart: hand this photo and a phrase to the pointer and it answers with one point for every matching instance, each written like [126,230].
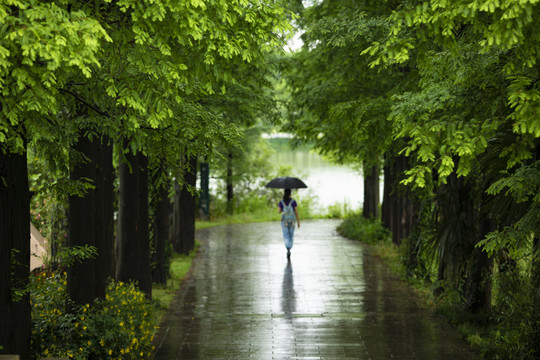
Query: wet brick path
[244,300]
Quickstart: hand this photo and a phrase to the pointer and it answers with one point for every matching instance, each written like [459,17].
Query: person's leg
[287,235]
[291,235]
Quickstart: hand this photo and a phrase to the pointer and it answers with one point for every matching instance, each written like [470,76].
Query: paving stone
[332,300]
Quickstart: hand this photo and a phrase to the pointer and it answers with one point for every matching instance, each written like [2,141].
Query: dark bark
[105,217]
[15,322]
[534,342]
[160,269]
[399,205]
[133,245]
[81,281]
[145,273]
[230,185]
[479,279]
[371,193]
[91,221]
[534,336]
[185,209]
[479,276]
[462,224]
[126,243]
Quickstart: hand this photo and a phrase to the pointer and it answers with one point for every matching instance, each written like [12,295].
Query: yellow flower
[76,324]
[110,352]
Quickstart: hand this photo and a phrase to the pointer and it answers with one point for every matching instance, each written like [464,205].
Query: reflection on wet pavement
[244,300]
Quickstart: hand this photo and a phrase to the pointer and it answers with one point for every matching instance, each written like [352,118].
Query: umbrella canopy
[286,182]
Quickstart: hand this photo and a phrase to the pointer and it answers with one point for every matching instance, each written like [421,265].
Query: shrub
[119,327]
[367,230]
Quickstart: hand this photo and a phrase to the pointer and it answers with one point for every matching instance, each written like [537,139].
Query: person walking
[288,208]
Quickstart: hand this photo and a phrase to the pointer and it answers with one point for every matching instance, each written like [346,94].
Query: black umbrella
[286,182]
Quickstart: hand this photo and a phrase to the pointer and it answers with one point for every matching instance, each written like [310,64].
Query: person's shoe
[288,253]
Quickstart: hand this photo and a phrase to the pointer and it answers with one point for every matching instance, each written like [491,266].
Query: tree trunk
[127,239]
[463,226]
[534,336]
[534,342]
[91,221]
[230,185]
[371,192]
[81,281]
[399,206]
[388,194]
[160,271]
[133,245]
[479,292]
[105,217]
[15,322]
[145,273]
[185,209]
[479,298]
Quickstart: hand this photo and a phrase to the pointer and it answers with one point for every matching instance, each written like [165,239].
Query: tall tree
[41,43]
[249,105]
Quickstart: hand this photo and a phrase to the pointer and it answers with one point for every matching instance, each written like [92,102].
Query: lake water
[327,182]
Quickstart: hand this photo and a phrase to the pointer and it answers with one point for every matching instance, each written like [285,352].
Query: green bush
[119,327]
[367,230]
[339,210]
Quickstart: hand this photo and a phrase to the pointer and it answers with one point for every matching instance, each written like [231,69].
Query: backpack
[288,217]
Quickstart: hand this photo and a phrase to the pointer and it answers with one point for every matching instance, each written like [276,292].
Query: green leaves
[41,44]
[76,254]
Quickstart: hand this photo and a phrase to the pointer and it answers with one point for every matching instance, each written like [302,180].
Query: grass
[163,295]
[261,215]
[267,214]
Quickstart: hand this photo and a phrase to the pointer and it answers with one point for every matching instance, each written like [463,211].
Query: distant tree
[338,102]
[249,105]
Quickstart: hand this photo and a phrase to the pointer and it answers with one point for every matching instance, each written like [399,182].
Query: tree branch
[102,113]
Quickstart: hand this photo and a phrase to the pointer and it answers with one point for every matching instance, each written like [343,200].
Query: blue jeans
[288,234]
